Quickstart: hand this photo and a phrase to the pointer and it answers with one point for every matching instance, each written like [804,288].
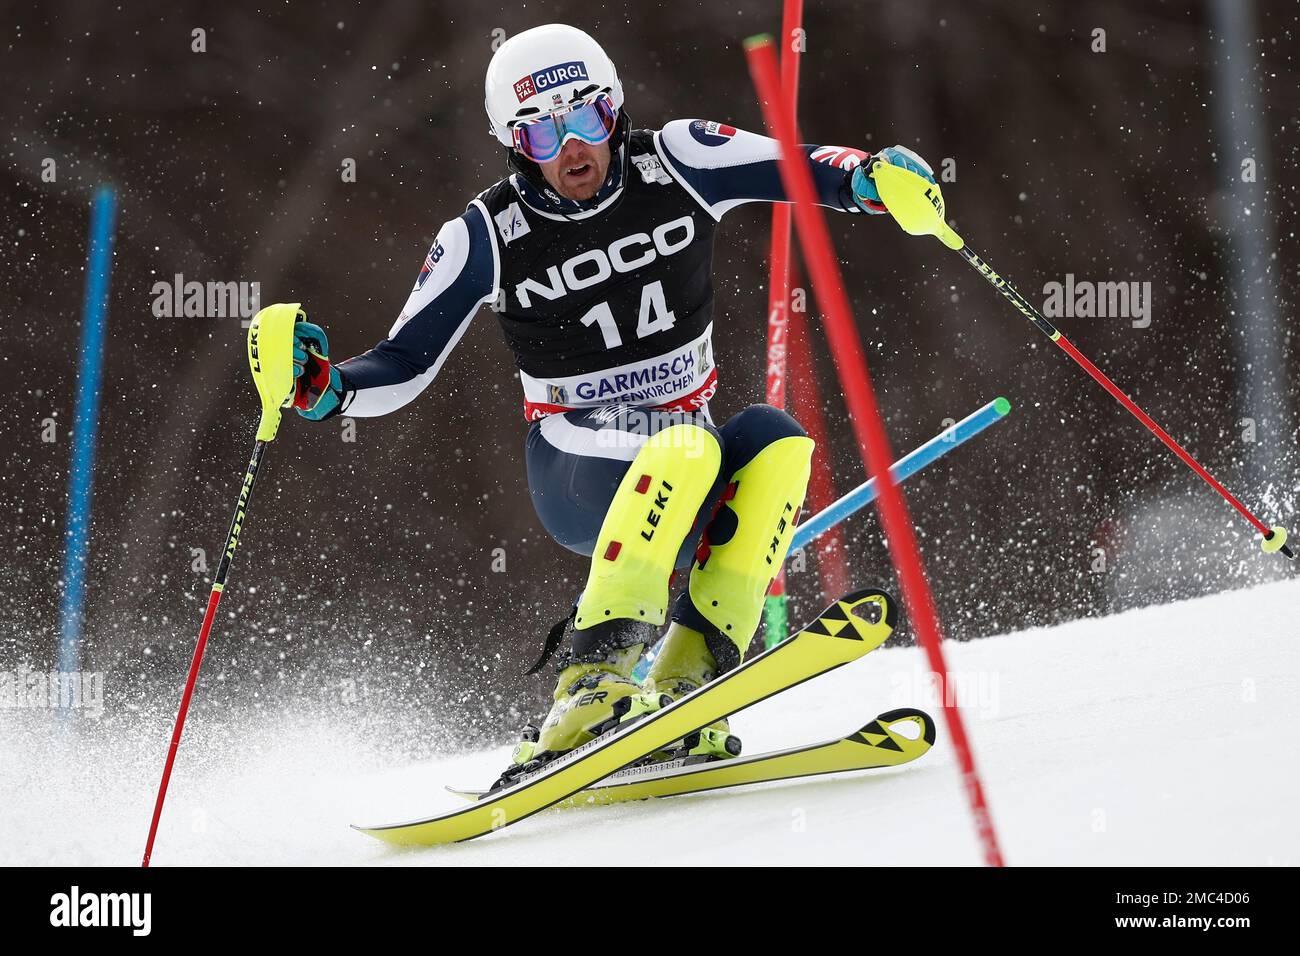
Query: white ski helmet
[548,69]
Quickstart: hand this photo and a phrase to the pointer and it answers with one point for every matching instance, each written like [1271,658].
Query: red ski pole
[917,205]
[270,356]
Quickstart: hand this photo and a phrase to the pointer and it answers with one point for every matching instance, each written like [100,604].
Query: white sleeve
[460,273]
[723,167]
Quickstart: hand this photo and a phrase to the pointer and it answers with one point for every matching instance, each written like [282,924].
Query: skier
[595,254]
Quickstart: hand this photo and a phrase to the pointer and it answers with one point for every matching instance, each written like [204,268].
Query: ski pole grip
[270,359]
[915,203]
[1275,540]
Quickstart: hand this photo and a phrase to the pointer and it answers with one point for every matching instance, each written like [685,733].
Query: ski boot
[594,694]
[684,664]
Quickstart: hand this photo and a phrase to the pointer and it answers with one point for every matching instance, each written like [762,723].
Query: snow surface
[1158,736]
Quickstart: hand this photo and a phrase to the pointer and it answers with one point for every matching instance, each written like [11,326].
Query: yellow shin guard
[731,576]
[651,514]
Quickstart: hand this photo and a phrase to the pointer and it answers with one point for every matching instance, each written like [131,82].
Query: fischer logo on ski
[848,629]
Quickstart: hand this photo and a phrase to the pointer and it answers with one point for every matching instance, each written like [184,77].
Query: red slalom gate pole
[776,627]
[778,289]
[805,396]
[864,414]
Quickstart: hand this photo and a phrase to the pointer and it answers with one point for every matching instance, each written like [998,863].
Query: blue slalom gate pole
[85,425]
[865,493]
[904,468]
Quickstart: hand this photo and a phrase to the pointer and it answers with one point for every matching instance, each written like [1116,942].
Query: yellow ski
[845,631]
[878,744]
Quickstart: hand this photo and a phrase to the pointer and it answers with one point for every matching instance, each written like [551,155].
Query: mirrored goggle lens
[541,140]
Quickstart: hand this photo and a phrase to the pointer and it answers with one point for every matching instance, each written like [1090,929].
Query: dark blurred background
[377,555]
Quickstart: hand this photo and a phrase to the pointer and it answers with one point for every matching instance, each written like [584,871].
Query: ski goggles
[542,139]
